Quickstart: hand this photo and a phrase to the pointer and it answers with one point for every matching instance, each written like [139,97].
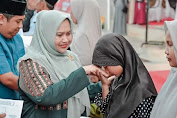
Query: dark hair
[50,6]
[8,16]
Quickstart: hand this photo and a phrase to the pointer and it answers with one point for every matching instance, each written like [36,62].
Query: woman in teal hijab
[52,82]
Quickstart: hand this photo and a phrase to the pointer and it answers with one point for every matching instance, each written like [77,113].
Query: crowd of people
[70,70]
[157,10]
[135,12]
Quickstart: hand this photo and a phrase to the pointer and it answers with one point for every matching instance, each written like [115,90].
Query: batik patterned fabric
[36,80]
[35,76]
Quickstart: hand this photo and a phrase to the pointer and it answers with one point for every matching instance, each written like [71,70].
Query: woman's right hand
[2,115]
[94,70]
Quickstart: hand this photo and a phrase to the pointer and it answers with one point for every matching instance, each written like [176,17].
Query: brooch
[71,57]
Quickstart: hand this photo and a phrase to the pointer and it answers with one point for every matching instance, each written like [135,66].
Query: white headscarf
[166,102]
[43,51]
[87,14]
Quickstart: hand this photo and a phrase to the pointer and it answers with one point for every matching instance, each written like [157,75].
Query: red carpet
[159,77]
[161,22]
[157,23]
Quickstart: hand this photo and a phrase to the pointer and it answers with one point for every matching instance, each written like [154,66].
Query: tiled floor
[153,56]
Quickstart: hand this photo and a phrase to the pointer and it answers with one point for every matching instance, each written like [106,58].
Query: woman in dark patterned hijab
[132,92]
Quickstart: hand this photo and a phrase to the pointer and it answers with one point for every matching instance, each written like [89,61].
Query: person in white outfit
[165,105]
[158,12]
[86,14]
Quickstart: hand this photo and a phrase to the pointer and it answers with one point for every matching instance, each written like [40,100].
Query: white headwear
[87,14]
[166,102]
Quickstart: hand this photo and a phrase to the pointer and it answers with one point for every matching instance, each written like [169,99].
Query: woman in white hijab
[165,105]
[49,73]
[86,14]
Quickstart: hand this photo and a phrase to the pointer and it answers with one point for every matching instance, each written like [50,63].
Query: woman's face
[169,51]
[113,70]
[63,36]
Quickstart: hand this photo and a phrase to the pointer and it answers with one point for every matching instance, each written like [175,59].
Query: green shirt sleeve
[42,91]
[94,89]
[66,88]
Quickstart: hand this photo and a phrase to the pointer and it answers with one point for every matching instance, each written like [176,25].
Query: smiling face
[169,51]
[9,28]
[63,36]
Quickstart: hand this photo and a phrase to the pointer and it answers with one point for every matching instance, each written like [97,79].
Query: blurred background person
[120,17]
[140,12]
[86,15]
[131,11]
[30,16]
[36,6]
[161,10]
[45,5]
[63,5]
[31,6]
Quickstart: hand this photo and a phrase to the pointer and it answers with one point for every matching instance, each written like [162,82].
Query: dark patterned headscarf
[135,84]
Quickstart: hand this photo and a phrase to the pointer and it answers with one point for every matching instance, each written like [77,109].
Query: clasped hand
[98,74]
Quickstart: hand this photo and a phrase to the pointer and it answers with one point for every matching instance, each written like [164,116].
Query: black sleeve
[26,22]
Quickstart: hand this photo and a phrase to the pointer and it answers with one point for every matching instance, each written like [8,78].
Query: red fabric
[140,13]
[159,78]
[161,22]
[63,5]
[156,23]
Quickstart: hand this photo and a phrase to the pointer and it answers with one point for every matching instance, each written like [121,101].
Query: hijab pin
[71,57]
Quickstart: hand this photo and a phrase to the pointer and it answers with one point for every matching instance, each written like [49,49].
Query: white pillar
[108,15]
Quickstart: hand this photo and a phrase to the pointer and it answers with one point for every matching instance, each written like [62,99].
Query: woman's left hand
[106,81]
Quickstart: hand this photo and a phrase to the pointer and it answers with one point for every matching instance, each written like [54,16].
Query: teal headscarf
[59,65]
